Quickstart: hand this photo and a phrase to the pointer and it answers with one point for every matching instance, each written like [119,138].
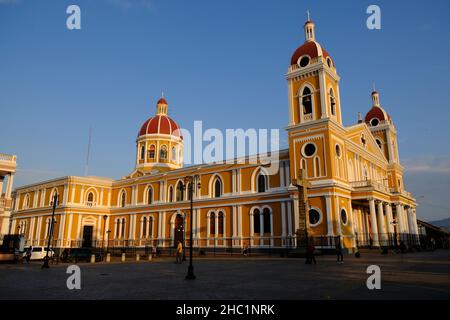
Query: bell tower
[313,82]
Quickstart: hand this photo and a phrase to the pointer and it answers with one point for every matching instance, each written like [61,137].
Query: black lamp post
[107,243]
[50,232]
[194,180]
[104,233]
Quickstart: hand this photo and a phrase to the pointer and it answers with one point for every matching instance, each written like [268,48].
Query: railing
[7,157]
[5,203]
[371,184]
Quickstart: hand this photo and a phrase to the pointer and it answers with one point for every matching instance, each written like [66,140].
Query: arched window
[221,223]
[261,183]
[90,199]
[123,227]
[256,221]
[365,173]
[163,153]
[266,219]
[174,154]
[170,194]
[142,152]
[144,227]
[151,152]
[149,195]
[212,224]
[217,188]
[52,196]
[117,233]
[150,227]
[26,201]
[317,172]
[378,143]
[307,101]
[332,102]
[188,188]
[180,191]
[123,199]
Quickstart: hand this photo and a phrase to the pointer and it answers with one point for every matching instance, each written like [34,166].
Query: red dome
[162,101]
[376,112]
[310,48]
[160,124]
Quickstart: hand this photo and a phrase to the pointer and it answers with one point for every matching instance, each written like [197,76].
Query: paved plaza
[424,275]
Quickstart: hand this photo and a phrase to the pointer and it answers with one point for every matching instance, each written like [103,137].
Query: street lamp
[194,180]
[50,233]
[107,243]
[104,233]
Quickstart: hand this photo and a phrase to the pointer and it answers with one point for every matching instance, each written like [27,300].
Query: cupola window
[163,153]
[374,122]
[304,61]
[151,152]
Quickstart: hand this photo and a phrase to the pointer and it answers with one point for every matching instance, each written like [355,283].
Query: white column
[9,186]
[401,227]
[416,228]
[289,218]
[296,214]
[410,220]
[338,218]
[373,222]
[283,223]
[65,194]
[353,224]
[328,207]
[390,226]
[240,225]
[234,224]
[381,226]
[2,178]
[72,194]
[69,229]
[251,228]
[323,95]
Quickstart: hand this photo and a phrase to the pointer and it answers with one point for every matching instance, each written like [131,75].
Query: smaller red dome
[162,101]
[310,48]
[377,113]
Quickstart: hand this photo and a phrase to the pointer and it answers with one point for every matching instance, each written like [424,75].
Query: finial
[307,13]
[162,94]
[373,87]
[360,119]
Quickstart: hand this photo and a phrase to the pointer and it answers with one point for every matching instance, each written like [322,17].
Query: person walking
[179,253]
[28,254]
[310,254]
[339,255]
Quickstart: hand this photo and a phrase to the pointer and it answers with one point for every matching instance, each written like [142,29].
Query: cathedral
[355,193]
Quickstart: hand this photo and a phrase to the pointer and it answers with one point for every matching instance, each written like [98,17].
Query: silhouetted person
[310,257]
[339,255]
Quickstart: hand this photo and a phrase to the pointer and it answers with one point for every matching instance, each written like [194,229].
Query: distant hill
[444,223]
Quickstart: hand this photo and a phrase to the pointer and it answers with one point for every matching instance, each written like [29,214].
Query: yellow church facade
[356,192]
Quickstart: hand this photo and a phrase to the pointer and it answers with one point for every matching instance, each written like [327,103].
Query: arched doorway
[178,229]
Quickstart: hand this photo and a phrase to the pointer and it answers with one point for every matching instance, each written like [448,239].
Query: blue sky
[222,62]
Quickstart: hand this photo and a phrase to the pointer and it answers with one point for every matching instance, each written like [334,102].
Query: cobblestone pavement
[424,275]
